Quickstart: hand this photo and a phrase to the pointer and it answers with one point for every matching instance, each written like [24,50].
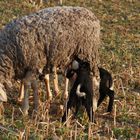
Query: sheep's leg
[101,98]
[66,88]
[56,88]
[21,91]
[47,84]
[35,94]
[111,100]
[25,102]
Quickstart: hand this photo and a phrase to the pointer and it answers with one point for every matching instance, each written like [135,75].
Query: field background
[119,53]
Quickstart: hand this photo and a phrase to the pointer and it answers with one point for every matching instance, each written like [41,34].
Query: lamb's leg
[66,112]
[110,93]
[101,98]
[35,94]
[78,104]
[68,106]
[47,84]
[56,88]
[25,102]
[89,111]
[21,92]
[66,88]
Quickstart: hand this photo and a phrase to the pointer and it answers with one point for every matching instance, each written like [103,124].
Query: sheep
[51,37]
[78,33]
[106,88]
[81,92]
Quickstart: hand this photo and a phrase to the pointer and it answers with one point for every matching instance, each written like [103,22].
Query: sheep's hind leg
[65,94]
[21,92]
[47,84]
[34,86]
[25,102]
[56,88]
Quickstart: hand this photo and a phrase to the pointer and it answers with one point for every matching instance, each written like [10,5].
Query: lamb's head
[3,95]
[80,64]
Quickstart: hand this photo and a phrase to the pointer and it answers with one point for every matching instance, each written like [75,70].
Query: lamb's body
[81,92]
[55,34]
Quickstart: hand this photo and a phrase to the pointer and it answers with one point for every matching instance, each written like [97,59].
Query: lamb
[105,85]
[51,37]
[106,88]
[81,92]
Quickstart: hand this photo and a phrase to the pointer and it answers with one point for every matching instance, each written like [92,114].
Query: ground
[119,53]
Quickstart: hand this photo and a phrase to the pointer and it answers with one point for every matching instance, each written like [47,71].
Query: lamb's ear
[3,96]
[75,65]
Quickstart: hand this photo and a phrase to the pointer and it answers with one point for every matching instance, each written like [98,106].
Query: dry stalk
[124,93]
[83,127]
[75,132]
[89,132]
[8,130]
[27,133]
[67,121]
[13,110]
[48,123]
[71,134]
[21,135]
[114,115]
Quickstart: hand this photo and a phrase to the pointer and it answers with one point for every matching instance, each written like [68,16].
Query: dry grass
[120,51]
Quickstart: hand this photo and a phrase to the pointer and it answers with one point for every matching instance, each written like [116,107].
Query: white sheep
[51,37]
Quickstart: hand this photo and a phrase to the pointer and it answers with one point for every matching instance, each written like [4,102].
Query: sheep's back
[59,33]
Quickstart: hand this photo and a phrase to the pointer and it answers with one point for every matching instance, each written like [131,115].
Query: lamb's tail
[79,93]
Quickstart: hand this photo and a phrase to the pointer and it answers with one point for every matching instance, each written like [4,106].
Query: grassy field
[119,53]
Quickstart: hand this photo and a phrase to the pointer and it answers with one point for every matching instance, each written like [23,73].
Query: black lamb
[105,88]
[82,91]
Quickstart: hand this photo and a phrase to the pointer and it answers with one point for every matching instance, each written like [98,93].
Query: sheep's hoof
[49,98]
[25,113]
[65,95]
[19,100]
[56,92]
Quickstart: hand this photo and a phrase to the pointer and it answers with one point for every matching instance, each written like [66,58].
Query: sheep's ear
[75,65]
[3,96]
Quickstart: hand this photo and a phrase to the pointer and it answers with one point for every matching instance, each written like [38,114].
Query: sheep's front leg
[34,86]
[48,89]
[25,102]
[56,88]
[21,92]
[66,88]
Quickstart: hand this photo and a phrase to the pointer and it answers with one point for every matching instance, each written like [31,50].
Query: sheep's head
[3,96]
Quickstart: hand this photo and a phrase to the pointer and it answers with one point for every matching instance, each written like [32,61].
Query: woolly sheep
[51,37]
